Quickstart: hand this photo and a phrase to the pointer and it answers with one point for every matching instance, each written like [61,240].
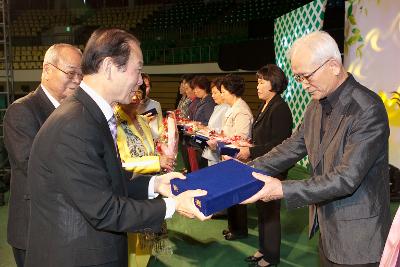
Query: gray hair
[321,43]
[53,53]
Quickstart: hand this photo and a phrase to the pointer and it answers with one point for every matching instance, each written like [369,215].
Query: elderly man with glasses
[345,135]
[60,77]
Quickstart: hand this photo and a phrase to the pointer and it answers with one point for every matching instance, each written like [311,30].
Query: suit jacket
[80,209]
[271,126]
[349,185]
[238,120]
[205,108]
[22,121]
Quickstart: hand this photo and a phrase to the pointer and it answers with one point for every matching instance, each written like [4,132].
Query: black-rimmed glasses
[70,74]
[302,77]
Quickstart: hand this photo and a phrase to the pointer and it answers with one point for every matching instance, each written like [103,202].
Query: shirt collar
[50,97]
[329,102]
[103,105]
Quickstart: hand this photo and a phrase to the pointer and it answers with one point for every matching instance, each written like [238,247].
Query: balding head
[62,72]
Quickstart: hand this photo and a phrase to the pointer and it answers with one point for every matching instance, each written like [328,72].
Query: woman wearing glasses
[135,141]
[137,152]
[271,126]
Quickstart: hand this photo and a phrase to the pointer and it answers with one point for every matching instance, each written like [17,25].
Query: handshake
[184,201]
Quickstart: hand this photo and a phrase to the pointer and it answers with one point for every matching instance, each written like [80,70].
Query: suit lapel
[99,117]
[338,113]
[42,101]
[314,128]
[261,115]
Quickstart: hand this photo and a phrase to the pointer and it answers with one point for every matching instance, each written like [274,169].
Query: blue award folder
[227,183]
[225,149]
[201,140]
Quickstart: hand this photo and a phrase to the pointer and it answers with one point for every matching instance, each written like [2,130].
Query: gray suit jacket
[351,194]
[22,121]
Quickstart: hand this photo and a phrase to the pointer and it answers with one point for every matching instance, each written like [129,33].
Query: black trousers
[324,262]
[19,256]
[237,219]
[269,230]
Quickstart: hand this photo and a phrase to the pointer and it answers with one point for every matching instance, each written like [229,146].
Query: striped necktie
[112,124]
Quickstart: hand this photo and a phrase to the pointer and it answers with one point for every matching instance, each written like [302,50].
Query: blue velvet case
[224,149]
[201,140]
[227,183]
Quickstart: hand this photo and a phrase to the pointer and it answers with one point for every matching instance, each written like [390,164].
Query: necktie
[112,124]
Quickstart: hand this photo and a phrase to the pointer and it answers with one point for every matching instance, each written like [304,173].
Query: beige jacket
[238,120]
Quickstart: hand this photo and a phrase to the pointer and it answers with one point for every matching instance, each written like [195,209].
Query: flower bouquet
[167,144]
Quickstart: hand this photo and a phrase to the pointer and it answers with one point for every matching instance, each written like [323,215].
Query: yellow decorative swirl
[392,106]
[372,38]
[355,69]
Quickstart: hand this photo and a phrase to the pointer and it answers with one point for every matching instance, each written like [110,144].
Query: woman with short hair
[271,126]
[238,121]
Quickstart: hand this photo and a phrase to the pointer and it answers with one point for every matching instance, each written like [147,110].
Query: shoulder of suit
[364,97]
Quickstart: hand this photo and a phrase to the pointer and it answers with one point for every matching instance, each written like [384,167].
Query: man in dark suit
[81,202]
[345,135]
[60,77]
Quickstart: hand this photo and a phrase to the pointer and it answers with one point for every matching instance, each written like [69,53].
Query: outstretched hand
[186,207]
[271,190]
[162,183]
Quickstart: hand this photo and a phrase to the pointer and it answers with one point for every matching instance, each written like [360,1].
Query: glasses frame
[70,75]
[301,77]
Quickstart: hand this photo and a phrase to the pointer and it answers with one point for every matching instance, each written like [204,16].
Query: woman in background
[135,141]
[216,121]
[201,113]
[147,104]
[238,121]
[206,104]
[184,102]
[272,126]
[137,152]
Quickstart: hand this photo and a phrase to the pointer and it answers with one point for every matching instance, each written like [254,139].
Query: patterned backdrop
[287,29]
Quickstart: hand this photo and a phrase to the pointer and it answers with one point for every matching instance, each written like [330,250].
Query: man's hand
[185,204]
[162,183]
[167,163]
[244,154]
[272,189]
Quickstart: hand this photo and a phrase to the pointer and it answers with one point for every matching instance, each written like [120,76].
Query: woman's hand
[212,144]
[244,154]
[149,117]
[167,163]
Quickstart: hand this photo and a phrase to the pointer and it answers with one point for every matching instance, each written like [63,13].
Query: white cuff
[150,192]
[170,204]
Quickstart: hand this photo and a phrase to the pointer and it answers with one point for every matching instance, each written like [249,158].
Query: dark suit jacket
[271,127]
[351,192]
[80,209]
[204,109]
[22,121]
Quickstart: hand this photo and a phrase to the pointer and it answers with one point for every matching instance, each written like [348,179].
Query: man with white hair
[345,135]
[60,77]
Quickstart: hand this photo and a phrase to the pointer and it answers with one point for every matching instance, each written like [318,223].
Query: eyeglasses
[70,75]
[302,77]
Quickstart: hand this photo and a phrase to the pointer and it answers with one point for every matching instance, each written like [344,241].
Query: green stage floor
[196,243]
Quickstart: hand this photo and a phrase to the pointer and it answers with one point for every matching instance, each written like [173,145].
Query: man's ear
[46,71]
[107,67]
[335,67]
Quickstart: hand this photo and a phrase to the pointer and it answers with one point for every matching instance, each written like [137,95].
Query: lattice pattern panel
[287,29]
